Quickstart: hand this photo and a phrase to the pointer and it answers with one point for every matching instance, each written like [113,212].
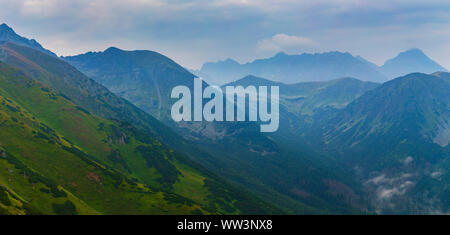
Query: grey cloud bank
[193,32]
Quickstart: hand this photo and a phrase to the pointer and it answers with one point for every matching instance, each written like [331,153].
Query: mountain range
[234,149]
[395,137]
[92,134]
[305,97]
[70,146]
[310,135]
[318,67]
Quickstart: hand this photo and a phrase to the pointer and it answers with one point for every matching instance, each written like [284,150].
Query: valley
[94,134]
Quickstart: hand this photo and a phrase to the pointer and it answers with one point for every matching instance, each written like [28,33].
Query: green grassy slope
[90,95]
[98,100]
[59,158]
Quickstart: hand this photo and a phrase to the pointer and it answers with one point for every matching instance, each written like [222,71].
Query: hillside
[72,159]
[148,74]
[414,106]
[90,95]
[396,137]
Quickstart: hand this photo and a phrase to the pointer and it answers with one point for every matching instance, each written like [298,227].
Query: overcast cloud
[193,32]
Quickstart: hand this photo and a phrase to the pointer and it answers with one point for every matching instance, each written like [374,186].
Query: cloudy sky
[195,31]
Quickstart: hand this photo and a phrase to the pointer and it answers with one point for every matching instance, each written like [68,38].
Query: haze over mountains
[345,144]
[396,137]
[309,130]
[318,67]
[305,97]
[146,78]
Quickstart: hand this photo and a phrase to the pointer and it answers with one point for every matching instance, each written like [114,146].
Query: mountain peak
[251,80]
[230,61]
[7,34]
[112,49]
[415,49]
[413,60]
[5,27]
[412,52]
[281,54]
